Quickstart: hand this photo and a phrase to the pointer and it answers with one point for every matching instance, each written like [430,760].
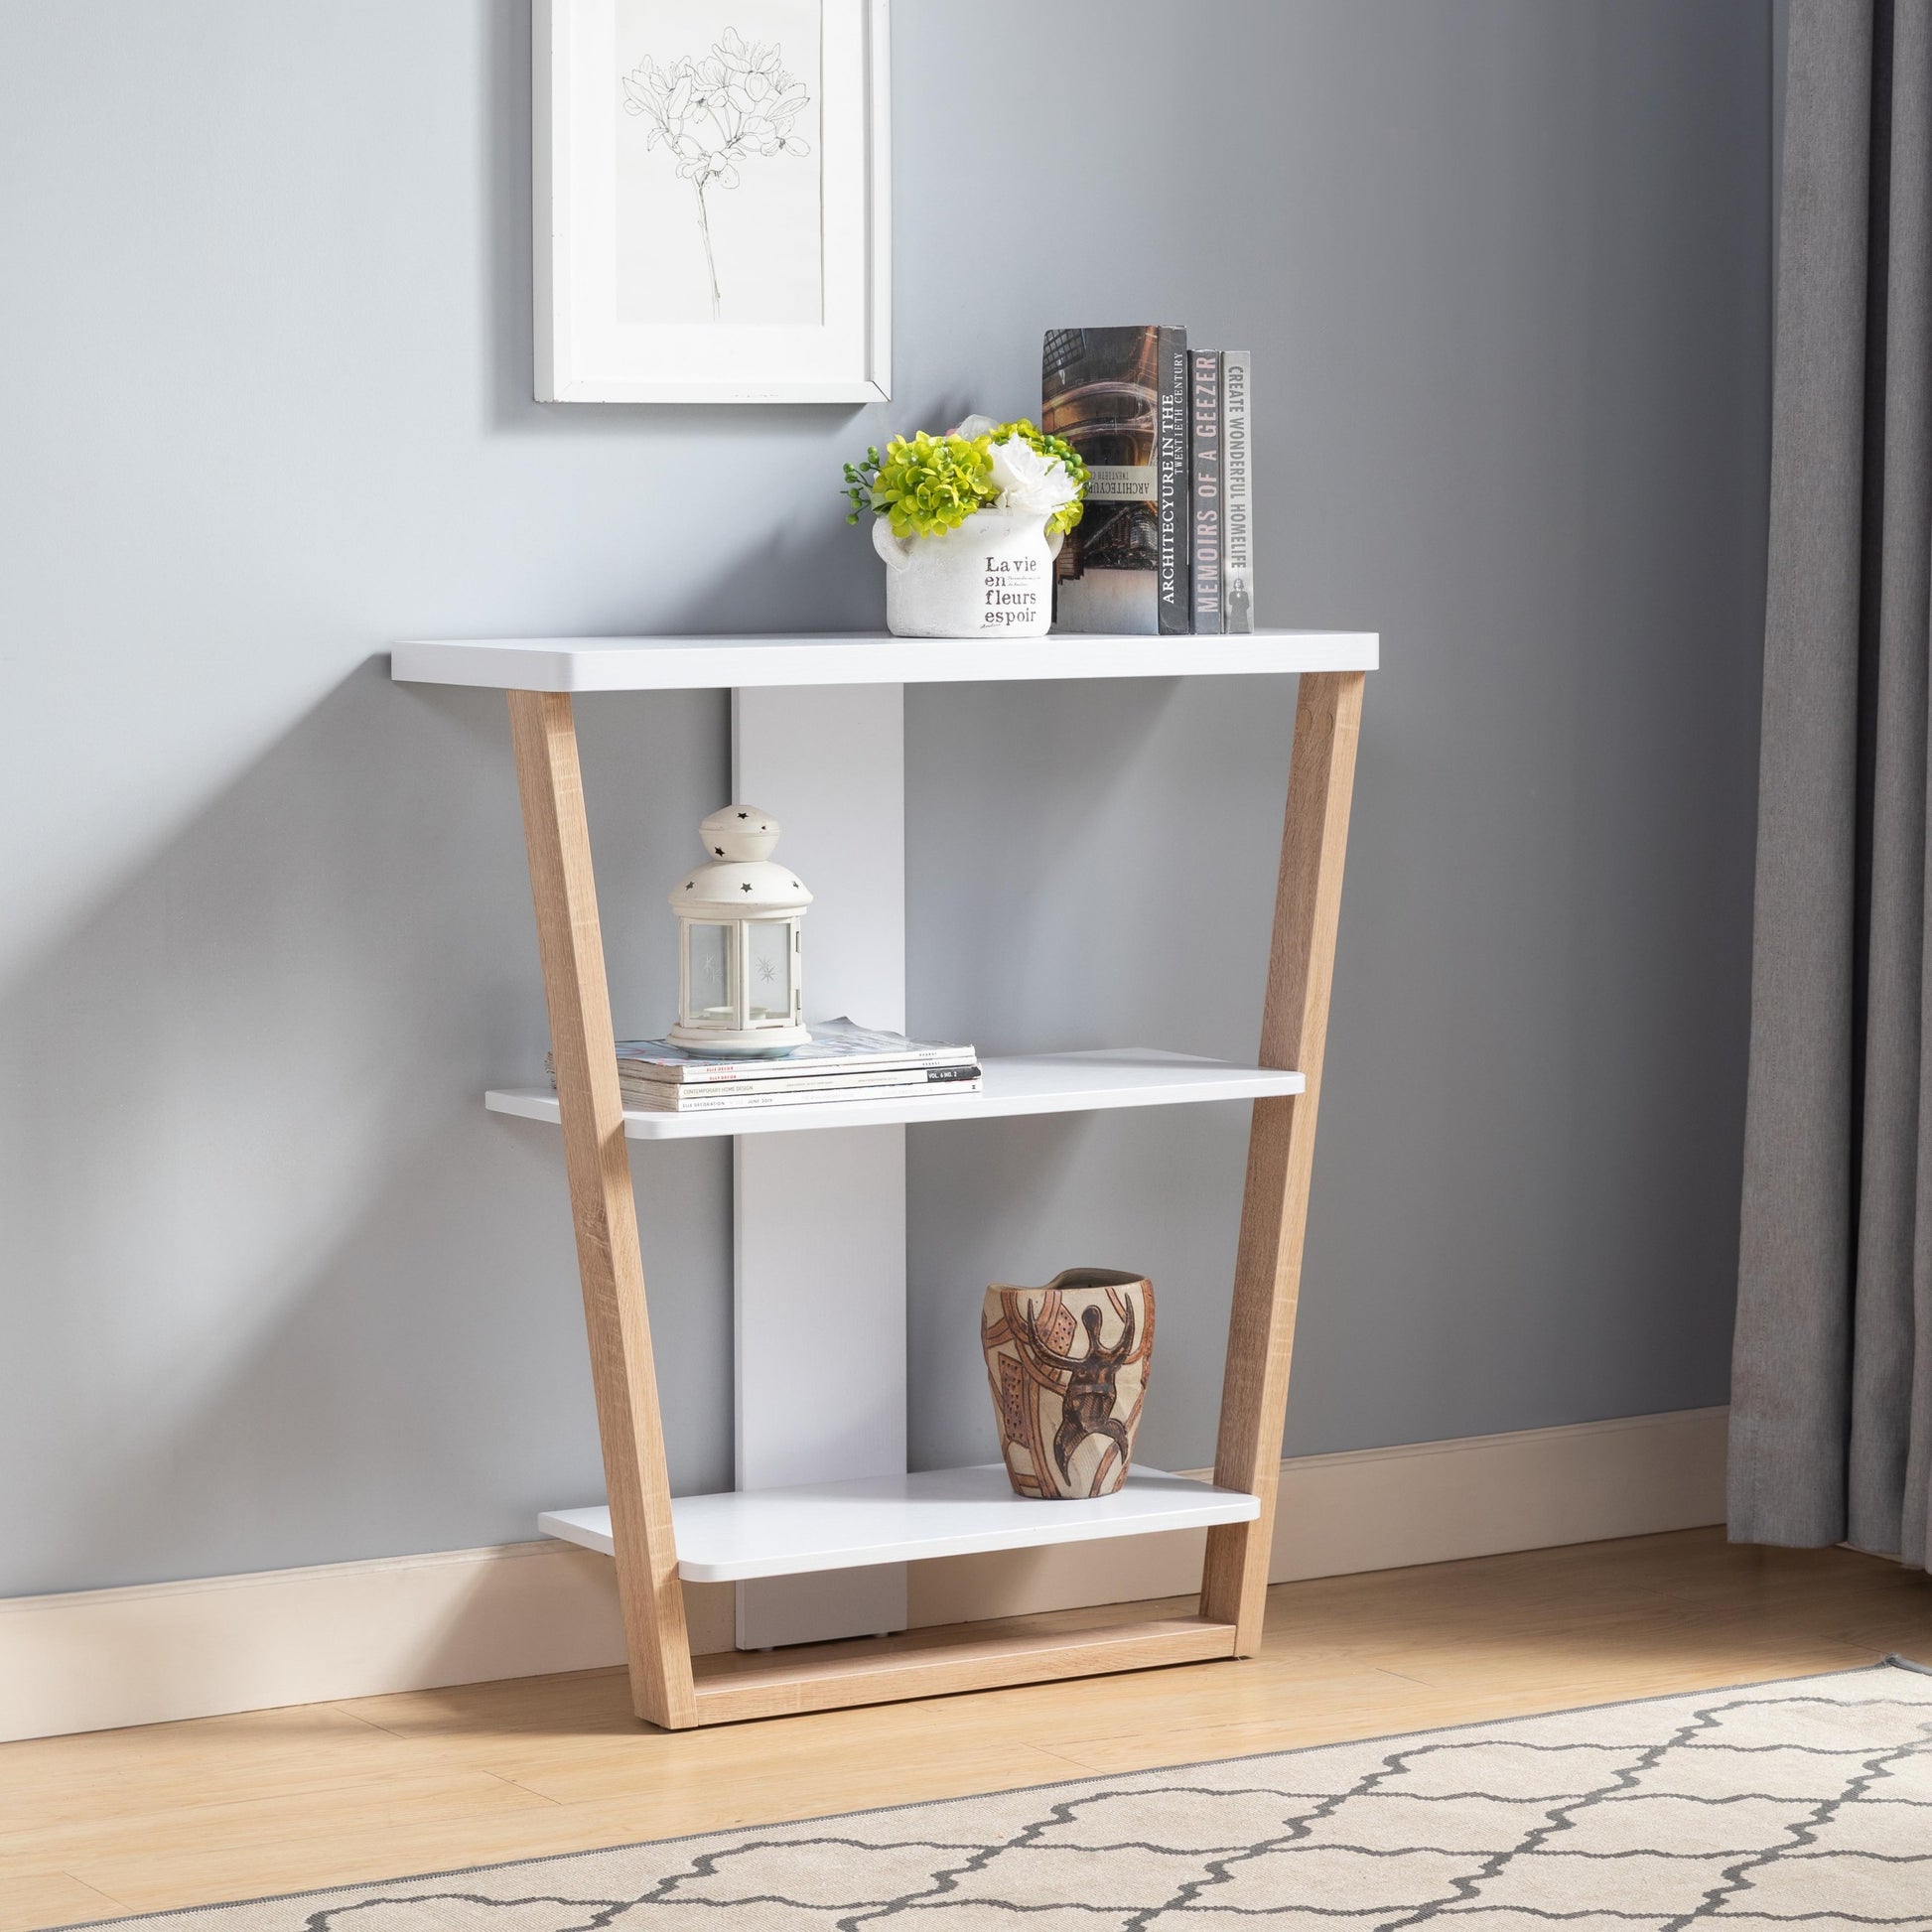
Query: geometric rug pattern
[1803,1803]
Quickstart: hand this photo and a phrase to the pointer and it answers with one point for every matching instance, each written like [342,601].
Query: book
[1237,536]
[836,1045]
[650,1079]
[1100,389]
[1174,595]
[667,1098]
[677,1096]
[1205,441]
[718,1100]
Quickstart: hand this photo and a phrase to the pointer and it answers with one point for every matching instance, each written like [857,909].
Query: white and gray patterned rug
[1807,1802]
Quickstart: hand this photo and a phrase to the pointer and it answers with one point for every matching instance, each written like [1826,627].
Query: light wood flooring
[185,1814]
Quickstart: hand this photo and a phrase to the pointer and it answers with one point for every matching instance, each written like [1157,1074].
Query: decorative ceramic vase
[993,577]
[1068,1366]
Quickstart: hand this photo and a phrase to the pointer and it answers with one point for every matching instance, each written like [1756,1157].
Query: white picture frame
[611,328]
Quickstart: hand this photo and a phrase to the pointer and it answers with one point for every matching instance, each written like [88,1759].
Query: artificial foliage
[1051,447]
[925,486]
[930,483]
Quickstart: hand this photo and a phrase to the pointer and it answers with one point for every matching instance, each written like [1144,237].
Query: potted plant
[969,524]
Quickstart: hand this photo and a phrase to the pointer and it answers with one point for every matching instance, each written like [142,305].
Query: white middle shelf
[1032,1083]
[730,1536]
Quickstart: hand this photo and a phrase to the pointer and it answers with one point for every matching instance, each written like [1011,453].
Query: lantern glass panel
[713,994]
[768,951]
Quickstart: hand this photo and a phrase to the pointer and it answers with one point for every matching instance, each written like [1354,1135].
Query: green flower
[930,485]
[933,483]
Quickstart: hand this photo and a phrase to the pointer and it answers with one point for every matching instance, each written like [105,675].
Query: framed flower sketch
[713,200]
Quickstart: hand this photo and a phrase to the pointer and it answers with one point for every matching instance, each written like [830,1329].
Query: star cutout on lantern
[745,814]
[718,849]
[745,888]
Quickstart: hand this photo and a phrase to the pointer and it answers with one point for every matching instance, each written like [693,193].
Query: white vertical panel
[820,1218]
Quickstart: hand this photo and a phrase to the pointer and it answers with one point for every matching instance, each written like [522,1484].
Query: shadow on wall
[781,583]
[279,1289]
[1122,839]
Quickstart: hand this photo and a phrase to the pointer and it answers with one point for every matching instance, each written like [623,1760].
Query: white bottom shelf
[902,1519]
[1033,1083]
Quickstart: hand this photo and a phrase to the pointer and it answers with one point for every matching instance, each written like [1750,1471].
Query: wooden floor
[272,1801]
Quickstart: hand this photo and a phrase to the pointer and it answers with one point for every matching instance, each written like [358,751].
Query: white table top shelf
[728,1538]
[1034,1083]
[709,663]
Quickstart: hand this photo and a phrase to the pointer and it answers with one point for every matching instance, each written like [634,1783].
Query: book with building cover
[1100,389]
[1238,534]
[1204,438]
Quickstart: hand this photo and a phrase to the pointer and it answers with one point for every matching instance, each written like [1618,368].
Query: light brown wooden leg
[1281,1145]
[602,1207]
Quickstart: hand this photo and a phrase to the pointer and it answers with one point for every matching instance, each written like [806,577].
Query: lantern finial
[740,832]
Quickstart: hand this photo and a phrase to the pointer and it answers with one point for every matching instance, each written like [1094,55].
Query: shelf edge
[590,1529]
[1241,1083]
[582,666]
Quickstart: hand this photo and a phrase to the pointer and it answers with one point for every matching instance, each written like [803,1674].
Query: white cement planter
[991,577]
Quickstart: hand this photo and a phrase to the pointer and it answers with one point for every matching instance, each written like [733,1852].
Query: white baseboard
[95,1659]
[1385,1509]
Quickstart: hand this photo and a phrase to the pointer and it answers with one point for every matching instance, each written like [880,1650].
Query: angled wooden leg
[557,833]
[1281,1145]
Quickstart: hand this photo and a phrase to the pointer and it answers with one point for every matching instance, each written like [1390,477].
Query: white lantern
[738,957]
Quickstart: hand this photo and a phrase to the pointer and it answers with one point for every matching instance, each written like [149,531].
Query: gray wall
[273,1290]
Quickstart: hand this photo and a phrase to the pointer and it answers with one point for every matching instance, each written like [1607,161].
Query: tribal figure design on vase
[1068,1367]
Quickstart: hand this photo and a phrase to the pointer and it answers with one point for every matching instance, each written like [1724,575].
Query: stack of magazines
[844,1061]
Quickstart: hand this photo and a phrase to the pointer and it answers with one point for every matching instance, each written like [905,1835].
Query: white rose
[976,426]
[1030,481]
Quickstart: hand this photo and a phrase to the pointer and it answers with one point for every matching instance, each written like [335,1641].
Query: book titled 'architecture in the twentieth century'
[1173,595]
[1100,388]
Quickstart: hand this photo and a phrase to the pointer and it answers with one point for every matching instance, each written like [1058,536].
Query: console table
[820,1189]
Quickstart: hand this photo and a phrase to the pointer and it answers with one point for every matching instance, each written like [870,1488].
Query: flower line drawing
[712,114]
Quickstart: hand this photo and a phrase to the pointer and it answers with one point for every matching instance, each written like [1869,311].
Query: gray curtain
[1832,1372]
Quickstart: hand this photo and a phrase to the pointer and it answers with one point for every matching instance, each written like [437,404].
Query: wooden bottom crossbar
[668,1689]
[884,1670]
